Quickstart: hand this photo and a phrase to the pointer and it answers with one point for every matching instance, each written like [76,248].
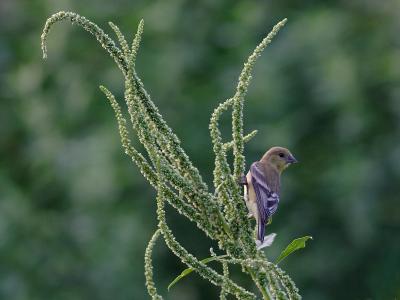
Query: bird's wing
[267,201]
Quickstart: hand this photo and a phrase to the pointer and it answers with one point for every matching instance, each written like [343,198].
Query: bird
[262,186]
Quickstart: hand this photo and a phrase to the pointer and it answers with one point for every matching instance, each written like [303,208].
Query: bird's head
[279,158]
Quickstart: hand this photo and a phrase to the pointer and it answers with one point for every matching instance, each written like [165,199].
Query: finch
[262,186]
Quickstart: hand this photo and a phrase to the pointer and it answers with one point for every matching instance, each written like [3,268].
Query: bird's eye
[281,154]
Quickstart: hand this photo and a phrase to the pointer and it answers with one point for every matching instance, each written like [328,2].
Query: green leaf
[190,270]
[295,245]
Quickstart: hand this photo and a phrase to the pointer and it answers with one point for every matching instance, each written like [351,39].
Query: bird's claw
[242,180]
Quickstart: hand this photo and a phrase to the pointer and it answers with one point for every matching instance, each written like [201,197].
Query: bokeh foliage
[75,214]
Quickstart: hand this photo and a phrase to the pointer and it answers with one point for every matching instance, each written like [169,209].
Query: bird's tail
[260,231]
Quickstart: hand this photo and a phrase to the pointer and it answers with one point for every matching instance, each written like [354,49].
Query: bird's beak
[291,159]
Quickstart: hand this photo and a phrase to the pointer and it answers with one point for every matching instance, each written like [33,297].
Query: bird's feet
[242,180]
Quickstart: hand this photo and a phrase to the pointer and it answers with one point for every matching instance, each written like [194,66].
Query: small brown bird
[262,189]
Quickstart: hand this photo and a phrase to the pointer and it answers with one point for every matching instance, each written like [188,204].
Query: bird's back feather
[267,200]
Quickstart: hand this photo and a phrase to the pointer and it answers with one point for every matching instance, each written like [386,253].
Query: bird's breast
[250,197]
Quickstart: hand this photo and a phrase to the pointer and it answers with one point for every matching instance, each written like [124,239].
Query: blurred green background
[75,213]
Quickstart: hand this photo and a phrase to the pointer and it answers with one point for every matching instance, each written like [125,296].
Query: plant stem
[263,290]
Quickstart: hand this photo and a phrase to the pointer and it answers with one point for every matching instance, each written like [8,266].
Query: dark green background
[76,215]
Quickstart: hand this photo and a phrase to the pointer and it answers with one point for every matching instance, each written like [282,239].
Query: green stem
[264,291]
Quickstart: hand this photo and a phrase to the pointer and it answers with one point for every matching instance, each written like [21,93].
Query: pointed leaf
[190,270]
[295,245]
